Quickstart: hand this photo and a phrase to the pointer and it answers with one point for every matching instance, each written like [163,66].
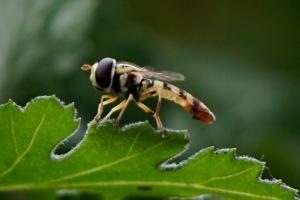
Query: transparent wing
[148,72]
[162,75]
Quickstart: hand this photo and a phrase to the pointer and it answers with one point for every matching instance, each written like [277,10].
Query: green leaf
[133,161]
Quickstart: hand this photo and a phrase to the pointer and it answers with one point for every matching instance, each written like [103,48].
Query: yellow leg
[130,98]
[157,118]
[115,109]
[110,100]
[158,107]
[144,107]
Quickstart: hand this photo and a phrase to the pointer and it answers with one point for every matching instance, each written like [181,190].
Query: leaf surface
[133,161]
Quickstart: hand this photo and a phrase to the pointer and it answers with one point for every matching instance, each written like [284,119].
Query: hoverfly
[136,83]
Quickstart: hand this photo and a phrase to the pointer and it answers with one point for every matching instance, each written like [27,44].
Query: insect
[136,84]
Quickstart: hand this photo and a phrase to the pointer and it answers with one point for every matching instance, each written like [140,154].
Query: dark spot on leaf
[144,187]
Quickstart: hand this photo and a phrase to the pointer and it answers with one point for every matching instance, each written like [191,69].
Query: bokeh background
[242,58]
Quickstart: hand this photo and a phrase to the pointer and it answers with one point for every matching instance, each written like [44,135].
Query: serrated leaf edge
[164,166]
[23,109]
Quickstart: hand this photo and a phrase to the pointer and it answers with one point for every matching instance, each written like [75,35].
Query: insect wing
[149,73]
[162,75]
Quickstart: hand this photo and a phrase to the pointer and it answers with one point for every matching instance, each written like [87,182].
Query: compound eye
[104,72]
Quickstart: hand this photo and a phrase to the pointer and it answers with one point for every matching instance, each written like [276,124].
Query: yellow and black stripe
[180,97]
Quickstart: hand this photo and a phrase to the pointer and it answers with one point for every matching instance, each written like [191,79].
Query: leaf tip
[170,164]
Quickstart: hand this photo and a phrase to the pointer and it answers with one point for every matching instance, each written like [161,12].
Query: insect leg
[144,107]
[158,107]
[130,98]
[110,100]
[157,118]
[115,109]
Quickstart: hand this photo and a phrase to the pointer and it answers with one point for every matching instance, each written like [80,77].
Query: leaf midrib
[117,183]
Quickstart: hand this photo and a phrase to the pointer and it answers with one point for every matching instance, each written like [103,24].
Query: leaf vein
[12,122]
[21,156]
[133,143]
[107,148]
[102,167]
[227,176]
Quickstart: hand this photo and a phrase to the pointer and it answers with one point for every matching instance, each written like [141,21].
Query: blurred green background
[241,58]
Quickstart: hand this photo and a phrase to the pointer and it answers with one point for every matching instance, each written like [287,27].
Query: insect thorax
[126,84]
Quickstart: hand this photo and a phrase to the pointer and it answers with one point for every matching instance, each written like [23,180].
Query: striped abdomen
[183,98]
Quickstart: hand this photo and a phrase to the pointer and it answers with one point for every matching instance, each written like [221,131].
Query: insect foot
[117,124]
[164,132]
[97,118]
